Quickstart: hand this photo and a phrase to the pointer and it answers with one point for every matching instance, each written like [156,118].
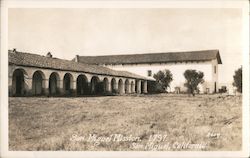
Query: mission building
[147,65]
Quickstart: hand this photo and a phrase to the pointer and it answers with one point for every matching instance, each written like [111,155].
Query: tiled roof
[204,55]
[34,60]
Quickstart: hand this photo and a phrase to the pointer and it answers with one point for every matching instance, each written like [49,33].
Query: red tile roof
[204,55]
[34,60]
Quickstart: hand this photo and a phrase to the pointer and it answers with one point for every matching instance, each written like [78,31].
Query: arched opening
[127,90]
[96,87]
[67,83]
[82,85]
[120,86]
[113,85]
[136,86]
[53,83]
[18,84]
[142,86]
[105,85]
[132,87]
[37,83]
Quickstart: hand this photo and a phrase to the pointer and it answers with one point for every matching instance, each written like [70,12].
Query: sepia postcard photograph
[109,79]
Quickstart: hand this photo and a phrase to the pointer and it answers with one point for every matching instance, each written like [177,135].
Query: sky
[107,31]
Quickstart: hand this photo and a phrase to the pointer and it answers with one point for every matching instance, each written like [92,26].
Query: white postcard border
[121,4]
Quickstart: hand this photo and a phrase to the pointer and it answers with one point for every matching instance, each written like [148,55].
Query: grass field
[158,122]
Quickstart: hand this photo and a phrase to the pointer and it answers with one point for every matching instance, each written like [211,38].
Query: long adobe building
[36,75]
[148,64]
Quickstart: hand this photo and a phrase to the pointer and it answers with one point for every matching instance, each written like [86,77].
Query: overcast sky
[67,32]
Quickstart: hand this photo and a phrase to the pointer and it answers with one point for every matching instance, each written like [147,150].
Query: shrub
[164,78]
[193,79]
[238,80]
[223,89]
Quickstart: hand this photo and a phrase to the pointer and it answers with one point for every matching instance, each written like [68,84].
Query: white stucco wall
[177,69]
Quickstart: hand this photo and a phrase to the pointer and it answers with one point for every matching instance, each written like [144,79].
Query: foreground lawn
[181,122]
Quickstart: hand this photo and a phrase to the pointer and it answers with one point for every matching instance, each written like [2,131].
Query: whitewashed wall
[177,69]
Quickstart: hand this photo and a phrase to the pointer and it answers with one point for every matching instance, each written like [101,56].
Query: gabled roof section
[34,60]
[170,57]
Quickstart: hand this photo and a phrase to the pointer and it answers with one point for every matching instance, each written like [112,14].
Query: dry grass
[49,123]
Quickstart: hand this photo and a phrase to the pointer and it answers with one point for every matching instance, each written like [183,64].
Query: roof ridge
[157,53]
[198,55]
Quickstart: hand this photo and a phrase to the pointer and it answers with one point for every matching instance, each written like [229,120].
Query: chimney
[77,58]
[14,50]
[49,55]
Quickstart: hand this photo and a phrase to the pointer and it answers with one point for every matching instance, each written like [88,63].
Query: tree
[193,79]
[238,80]
[164,77]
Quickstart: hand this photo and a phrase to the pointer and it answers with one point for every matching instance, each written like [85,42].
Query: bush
[163,78]
[223,89]
[238,80]
[193,79]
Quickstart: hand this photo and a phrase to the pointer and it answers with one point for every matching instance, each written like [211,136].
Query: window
[215,69]
[149,73]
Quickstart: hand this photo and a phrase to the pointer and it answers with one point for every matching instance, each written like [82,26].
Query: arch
[113,85]
[38,83]
[96,85]
[18,83]
[54,80]
[105,85]
[67,83]
[142,86]
[120,86]
[132,88]
[82,85]
[136,86]
[127,88]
